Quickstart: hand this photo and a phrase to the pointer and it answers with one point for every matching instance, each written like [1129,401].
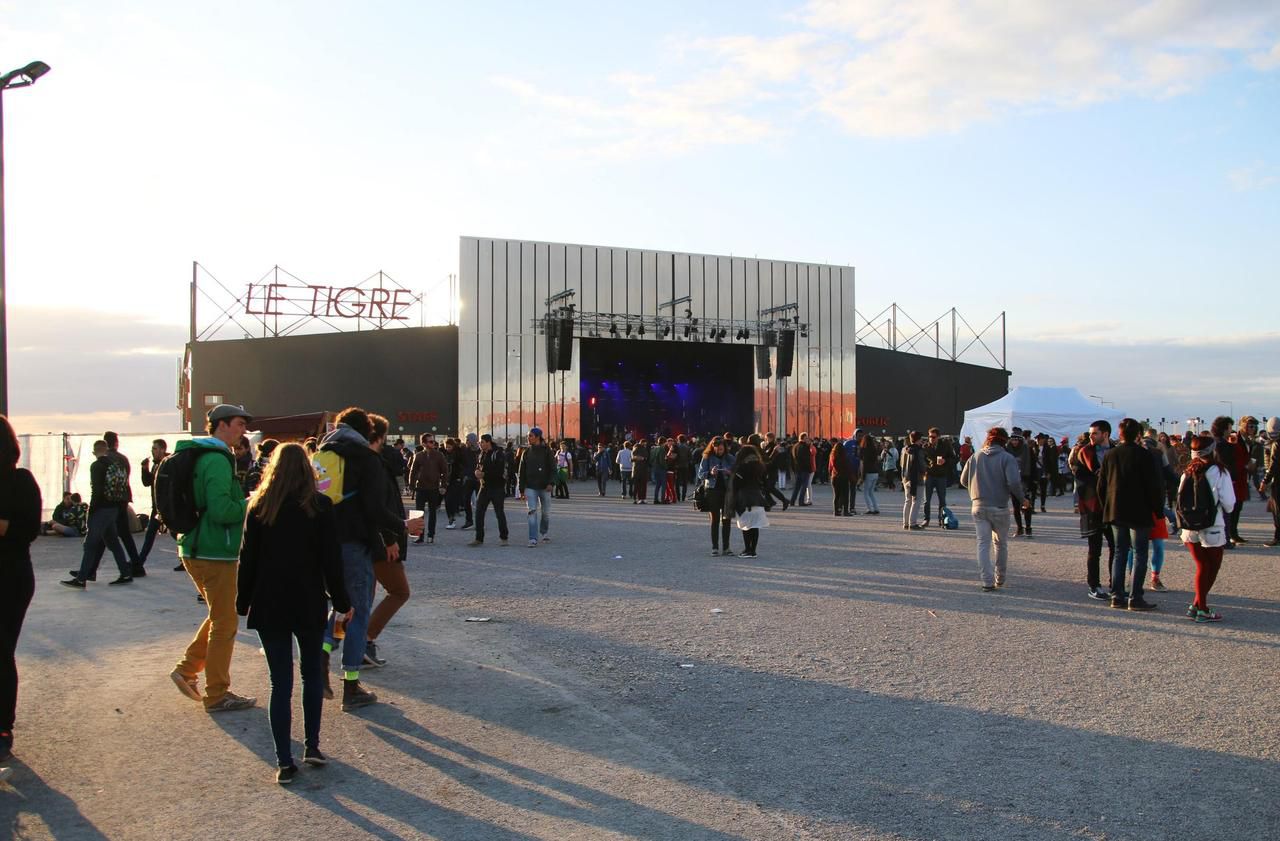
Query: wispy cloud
[907,68]
[1255,177]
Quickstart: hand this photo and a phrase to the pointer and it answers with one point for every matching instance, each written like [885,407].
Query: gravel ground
[852,682]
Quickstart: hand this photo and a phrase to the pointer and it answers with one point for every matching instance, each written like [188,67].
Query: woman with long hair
[640,472]
[1206,544]
[749,497]
[20,508]
[714,472]
[290,569]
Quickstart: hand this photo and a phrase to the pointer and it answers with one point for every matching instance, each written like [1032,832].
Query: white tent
[1060,412]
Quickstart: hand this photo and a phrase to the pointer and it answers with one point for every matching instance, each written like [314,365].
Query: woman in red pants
[1205,544]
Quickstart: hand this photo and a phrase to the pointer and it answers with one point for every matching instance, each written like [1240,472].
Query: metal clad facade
[504,385]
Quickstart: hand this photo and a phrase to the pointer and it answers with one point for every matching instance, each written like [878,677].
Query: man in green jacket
[211,555]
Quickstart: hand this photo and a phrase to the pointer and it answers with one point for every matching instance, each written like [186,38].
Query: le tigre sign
[327,301]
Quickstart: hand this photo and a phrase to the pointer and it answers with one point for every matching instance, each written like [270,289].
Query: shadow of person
[29,799]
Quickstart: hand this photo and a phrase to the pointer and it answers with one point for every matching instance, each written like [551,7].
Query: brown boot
[354,696]
[328,685]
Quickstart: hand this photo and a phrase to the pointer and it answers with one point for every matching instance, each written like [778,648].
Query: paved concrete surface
[857,684]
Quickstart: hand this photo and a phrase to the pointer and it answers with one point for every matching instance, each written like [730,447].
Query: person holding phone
[713,473]
[290,570]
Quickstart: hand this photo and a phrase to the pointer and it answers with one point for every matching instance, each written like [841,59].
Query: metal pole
[4,331]
[953,334]
[1004,345]
[194,264]
[894,336]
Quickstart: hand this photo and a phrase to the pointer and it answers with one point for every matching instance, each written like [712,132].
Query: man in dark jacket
[103,531]
[940,461]
[428,473]
[389,572]
[1085,467]
[802,460]
[1131,495]
[911,464]
[150,467]
[491,473]
[123,526]
[363,519]
[537,467]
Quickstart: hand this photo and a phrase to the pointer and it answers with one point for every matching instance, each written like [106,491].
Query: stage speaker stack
[763,370]
[786,352]
[564,345]
[551,334]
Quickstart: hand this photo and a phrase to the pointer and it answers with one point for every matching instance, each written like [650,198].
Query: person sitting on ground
[63,523]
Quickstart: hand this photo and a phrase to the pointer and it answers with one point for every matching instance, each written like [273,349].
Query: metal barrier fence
[60,463]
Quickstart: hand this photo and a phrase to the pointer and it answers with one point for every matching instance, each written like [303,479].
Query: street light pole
[20,78]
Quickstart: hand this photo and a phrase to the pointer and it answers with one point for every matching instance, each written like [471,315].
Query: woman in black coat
[290,569]
[748,497]
[19,525]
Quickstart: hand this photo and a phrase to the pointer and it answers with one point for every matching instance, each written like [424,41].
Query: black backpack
[1197,507]
[175,489]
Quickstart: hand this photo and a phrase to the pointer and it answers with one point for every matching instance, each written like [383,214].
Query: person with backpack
[1205,499]
[1131,493]
[105,500]
[210,551]
[991,476]
[368,531]
[125,494]
[290,570]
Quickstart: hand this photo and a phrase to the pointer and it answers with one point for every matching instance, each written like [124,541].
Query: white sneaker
[533,544]
[451,525]
[546,539]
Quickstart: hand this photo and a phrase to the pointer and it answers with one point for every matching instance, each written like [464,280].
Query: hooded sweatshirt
[991,477]
[219,495]
[365,515]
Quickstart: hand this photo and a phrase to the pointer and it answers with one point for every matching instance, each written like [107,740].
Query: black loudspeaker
[551,333]
[771,338]
[564,345]
[786,352]
[763,371]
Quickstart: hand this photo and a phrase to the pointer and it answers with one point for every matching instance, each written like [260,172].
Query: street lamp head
[24,76]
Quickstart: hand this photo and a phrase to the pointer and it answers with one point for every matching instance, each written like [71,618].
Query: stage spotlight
[666,330]
[613,330]
[746,334]
[804,331]
[628,329]
[694,322]
[686,331]
[641,330]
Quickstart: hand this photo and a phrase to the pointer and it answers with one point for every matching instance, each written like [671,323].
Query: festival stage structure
[589,342]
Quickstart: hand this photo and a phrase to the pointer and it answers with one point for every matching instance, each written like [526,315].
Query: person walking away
[211,554]
[715,473]
[912,467]
[537,465]
[150,467]
[368,531]
[124,528]
[939,461]
[1048,468]
[428,474]
[776,460]
[749,498]
[802,458]
[1131,493]
[290,571]
[20,508]
[625,468]
[1205,472]
[104,501]
[869,458]
[602,462]
[389,571]
[841,474]
[991,476]
[491,473]
[684,465]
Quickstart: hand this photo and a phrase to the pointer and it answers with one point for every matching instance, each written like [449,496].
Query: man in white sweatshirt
[992,477]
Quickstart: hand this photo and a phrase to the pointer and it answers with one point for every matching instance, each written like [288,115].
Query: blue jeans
[803,481]
[1157,556]
[278,646]
[357,575]
[102,535]
[534,500]
[934,484]
[1137,539]
[869,491]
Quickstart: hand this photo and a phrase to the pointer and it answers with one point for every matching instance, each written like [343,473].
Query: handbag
[700,497]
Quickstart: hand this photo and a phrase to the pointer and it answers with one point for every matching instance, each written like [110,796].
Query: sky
[1106,173]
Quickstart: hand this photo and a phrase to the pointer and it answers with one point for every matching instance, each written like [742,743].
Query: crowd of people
[295,537]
